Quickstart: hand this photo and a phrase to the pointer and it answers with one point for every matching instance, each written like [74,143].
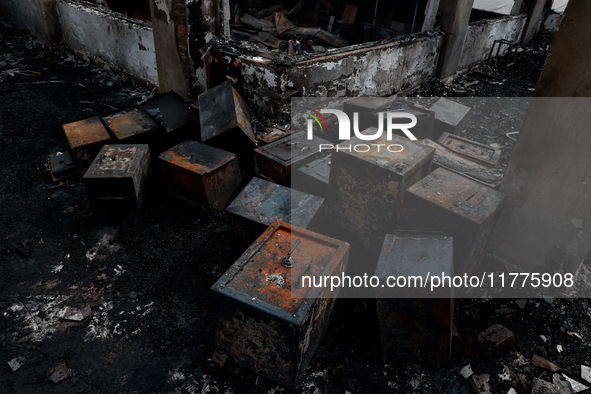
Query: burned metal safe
[260,322]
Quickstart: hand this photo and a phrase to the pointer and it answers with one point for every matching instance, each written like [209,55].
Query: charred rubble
[100,300]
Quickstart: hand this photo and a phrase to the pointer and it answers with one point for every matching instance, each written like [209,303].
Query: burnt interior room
[341,22]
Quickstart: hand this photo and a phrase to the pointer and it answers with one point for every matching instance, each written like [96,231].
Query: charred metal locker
[179,119]
[449,116]
[417,328]
[86,138]
[313,177]
[275,160]
[133,126]
[460,207]
[225,122]
[264,319]
[472,150]
[262,202]
[201,174]
[367,187]
[272,134]
[118,175]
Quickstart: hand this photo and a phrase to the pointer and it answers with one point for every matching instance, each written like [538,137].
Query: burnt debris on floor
[95,300]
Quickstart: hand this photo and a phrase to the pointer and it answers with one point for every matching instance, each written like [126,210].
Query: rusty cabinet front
[118,175]
[263,323]
[415,328]
[133,126]
[275,160]
[86,138]
[367,187]
[460,207]
[261,202]
[200,174]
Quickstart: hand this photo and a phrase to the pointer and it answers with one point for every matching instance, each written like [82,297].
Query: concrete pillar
[204,23]
[430,15]
[517,7]
[455,16]
[535,15]
[567,71]
[169,23]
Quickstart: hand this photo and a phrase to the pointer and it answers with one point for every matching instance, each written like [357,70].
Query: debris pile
[88,296]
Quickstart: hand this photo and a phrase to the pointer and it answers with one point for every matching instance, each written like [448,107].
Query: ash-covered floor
[146,275]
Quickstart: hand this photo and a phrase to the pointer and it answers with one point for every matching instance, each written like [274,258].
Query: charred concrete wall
[482,34]
[379,69]
[109,39]
[37,16]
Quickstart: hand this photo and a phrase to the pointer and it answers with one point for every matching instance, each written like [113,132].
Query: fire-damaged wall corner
[535,15]
[454,19]
[171,40]
[44,22]
[202,28]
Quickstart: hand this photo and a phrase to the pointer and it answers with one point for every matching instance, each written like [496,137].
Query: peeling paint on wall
[162,6]
[482,34]
[109,39]
[373,70]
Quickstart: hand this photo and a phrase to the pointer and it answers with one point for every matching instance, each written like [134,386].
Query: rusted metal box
[367,188]
[259,322]
[262,202]
[133,126]
[314,176]
[201,174]
[86,138]
[178,118]
[223,109]
[275,160]
[415,328]
[225,123]
[118,175]
[449,116]
[272,134]
[472,150]
[460,207]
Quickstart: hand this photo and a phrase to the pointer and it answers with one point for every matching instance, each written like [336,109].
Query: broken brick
[496,337]
[540,386]
[480,383]
[59,373]
[541,362]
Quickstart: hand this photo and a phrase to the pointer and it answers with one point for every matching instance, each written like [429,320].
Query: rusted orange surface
[86,132]
[197,161]
[127,124]
[266,279]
